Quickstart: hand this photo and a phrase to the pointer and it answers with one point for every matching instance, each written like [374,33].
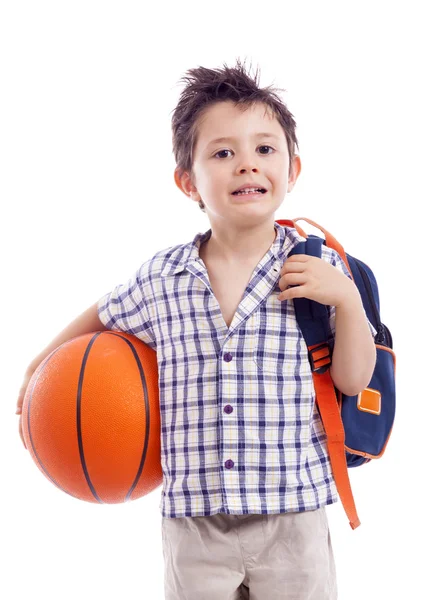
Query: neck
[234,247]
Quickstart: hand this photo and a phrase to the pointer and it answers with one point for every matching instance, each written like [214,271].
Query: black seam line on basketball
[78,417]
[147,413]
[147,409]
[42,466]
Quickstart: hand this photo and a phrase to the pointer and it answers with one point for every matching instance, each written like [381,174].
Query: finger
[22,435]
[298,257]
[293,267]
[296,291]
[291,279]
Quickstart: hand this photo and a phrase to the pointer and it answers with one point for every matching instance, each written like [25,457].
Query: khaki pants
[285,556]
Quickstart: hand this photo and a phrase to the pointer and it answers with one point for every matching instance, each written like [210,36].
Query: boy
[246,469]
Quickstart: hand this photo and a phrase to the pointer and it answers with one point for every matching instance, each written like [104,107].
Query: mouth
[256,193]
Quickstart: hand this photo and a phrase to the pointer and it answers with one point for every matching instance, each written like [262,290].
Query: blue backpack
[357,427]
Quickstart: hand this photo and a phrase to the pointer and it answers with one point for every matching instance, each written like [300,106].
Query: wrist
[351,297]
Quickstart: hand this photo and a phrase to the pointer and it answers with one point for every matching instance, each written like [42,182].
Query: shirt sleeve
[125,309]
[335,259]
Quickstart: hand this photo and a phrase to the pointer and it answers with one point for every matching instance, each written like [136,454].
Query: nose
[246,169]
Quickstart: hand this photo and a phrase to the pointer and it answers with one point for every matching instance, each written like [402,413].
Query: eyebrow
[230,139]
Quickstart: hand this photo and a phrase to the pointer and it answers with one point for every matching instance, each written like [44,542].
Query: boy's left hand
[315,279]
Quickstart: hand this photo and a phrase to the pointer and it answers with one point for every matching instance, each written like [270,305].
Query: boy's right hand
[21,432]
[22,393]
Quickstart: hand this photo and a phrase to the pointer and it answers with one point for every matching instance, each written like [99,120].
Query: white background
[87,194]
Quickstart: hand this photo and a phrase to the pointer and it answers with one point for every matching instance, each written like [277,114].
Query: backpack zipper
[388,337]
[381,328]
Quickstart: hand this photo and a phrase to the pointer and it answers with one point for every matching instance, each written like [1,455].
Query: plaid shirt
[240,430]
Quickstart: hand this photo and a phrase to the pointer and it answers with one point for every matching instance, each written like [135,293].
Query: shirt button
[229,464]
[227,356]
[228,409]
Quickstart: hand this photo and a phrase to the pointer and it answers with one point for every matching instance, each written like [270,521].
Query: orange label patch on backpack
[369,400]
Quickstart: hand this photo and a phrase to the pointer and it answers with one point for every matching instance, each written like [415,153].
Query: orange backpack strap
[333,426]
[291,223]
[326,396]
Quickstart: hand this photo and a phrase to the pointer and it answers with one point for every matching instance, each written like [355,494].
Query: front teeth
[248,190]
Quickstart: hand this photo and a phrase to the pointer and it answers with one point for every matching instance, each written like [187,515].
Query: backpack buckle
[320,357]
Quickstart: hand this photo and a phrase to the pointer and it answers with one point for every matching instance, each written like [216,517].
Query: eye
[267,147]
[266,154]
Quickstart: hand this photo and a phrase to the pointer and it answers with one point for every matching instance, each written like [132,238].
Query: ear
[295,171]
[183,182]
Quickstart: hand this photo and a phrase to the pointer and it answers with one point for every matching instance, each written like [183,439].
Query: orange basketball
[91,420]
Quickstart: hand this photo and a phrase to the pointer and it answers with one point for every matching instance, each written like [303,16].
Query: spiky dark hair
[204,88]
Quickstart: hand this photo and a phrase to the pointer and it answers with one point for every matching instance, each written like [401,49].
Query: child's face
[222,167]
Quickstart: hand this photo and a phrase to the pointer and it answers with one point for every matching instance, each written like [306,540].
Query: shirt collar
[184,255]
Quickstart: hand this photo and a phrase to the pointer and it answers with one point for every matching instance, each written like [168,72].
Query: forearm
[354,352]
[87,322]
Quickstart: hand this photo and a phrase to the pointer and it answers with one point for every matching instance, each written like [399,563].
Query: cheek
[217,183]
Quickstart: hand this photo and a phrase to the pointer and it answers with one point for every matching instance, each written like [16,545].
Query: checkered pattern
[240,430]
